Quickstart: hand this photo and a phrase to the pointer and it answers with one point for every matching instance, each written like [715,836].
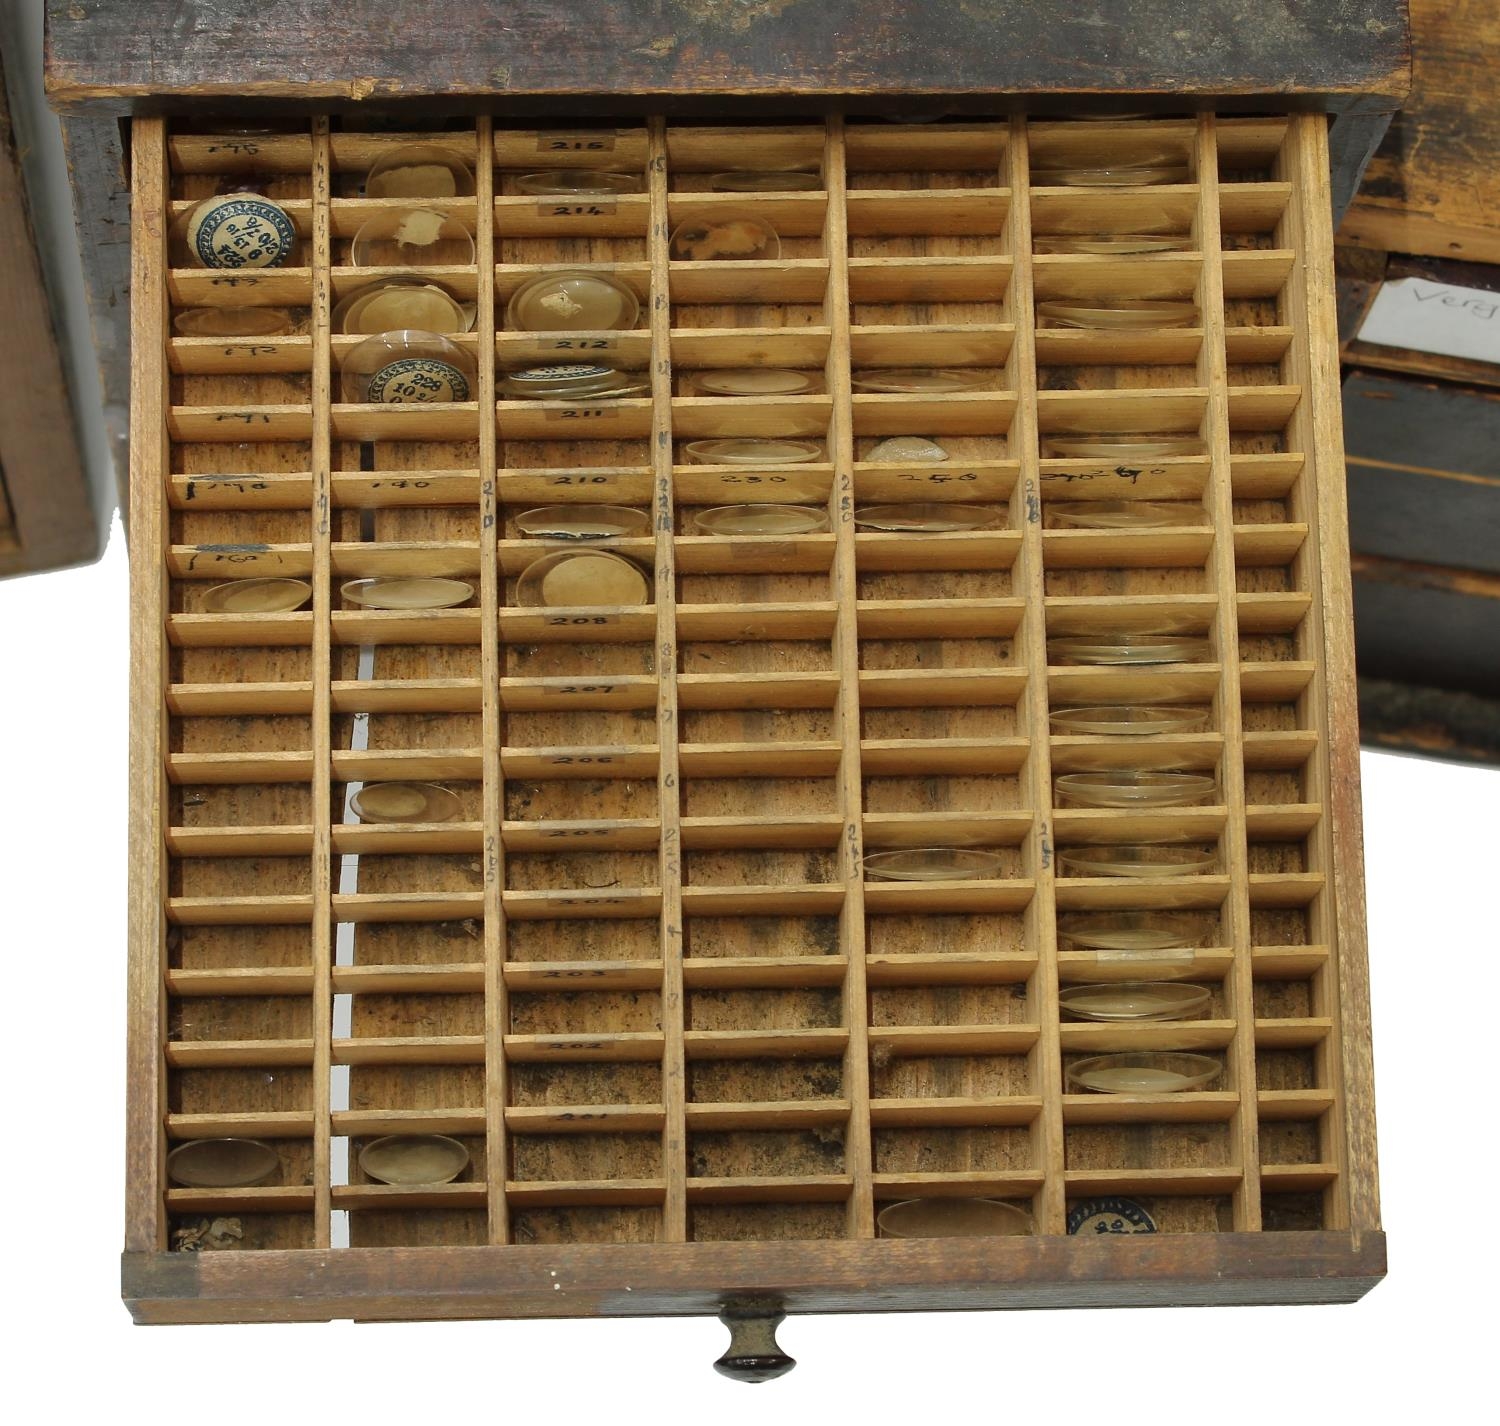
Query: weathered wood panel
[575,1280]
[1432,722]
[1433,187]
[47,517]
[1362,271]
[1424,479]
[157,53]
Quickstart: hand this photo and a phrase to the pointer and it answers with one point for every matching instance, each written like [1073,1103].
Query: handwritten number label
[595,209]
[242,487]
[209,555]
[1033,502]
[664,504]
[575,143]
[1130,474]
[940,477]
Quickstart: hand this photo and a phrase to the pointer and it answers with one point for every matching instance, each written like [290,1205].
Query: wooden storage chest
[691,1047]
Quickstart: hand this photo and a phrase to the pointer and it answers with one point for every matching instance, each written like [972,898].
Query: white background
[1423,1341]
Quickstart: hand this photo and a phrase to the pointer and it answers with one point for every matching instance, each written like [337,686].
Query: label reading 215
[575,143]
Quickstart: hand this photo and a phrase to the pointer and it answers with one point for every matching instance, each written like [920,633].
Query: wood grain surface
[1433,187]
[590,1280]
[47,516]
[160,52]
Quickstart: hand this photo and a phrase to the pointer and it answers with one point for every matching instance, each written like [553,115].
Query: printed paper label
[1428,316]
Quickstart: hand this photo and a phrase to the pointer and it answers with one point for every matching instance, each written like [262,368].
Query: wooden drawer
[641,973]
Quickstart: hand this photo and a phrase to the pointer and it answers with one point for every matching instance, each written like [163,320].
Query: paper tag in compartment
[589,141]
[1434,317]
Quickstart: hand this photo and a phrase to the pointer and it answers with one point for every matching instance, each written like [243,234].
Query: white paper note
[1434,317]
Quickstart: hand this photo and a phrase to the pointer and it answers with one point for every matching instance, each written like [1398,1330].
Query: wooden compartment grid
[666,1007]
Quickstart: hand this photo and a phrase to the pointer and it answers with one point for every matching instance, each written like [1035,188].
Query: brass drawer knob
[753,1353]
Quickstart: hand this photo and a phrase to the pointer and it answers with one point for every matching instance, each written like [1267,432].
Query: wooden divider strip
[663,509]
[858,1154]
[1029,579]
[492,717]
[150,462]
[321,460]
[1330,706]
[1239,989]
